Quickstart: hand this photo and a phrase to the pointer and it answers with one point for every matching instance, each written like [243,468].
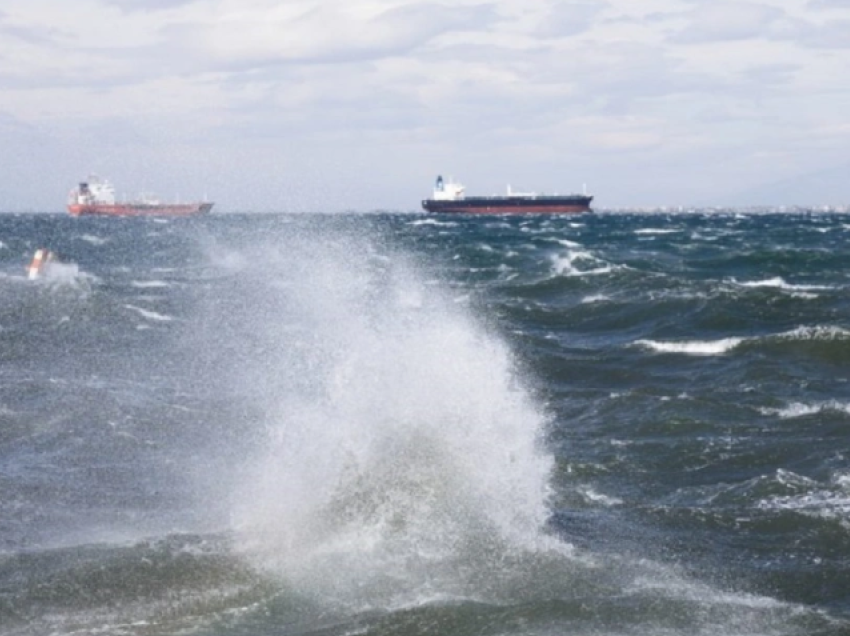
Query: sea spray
[401,457]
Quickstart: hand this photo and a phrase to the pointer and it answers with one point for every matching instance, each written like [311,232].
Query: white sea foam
[597,498]
[433,222]
[692,347]
[799,409]
[725,345]
[822,500]
[702,236]
[150,315]
[567,243]
[579,263]
[94,240]
[816,332]
[650,230]
[595,298]
[780,283]
[149,284]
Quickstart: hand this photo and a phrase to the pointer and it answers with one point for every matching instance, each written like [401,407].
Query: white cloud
[570,18]
[327,91]
[727,20]
[330,32]
[829,4]
[147,5]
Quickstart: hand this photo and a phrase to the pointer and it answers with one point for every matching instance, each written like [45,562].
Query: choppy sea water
[605,424]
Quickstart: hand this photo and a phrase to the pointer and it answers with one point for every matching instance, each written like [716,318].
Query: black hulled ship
[450,197]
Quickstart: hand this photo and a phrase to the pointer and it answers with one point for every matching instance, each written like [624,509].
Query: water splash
[401,455]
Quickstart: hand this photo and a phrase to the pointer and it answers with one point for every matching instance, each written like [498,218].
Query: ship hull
[575,204]
[138,209]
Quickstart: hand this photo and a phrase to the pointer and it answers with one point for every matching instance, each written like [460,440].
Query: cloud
[147,5]
[32,35]
[334,33]
[831,35]
[726,21]
[829,4]
[777,75]
[570,18]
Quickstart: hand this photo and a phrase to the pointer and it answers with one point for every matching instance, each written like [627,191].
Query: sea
[376,424]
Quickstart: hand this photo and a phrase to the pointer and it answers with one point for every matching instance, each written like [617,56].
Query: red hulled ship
[96,197]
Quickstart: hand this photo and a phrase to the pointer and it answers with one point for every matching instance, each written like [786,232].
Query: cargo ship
[450,197]
[96,197]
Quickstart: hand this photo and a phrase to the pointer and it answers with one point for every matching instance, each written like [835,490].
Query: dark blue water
[397,424]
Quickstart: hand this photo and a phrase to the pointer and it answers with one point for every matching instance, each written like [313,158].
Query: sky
[333,105]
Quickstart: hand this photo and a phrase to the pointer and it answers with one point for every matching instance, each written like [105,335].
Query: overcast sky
[359,104]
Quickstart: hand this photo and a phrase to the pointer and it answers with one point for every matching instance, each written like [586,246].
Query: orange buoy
[40,260]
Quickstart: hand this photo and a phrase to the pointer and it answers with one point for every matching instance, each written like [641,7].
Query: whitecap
[570,264]
[799,409]
[649,230]
[595,298]
[566,243]
[591,496]
[150,315]
[821,503]
[433,222]
[780,283]
[693,347]
[817,332]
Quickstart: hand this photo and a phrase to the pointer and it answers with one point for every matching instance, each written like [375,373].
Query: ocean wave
[815,333]
[820,500]
[163,585]
[93,240]
[652,231]
[725,496]
[799,409]
[595,298]
[150,315]
[149,284]
[433,222]
[581,263]
[725,345]
[591,496]
[780,283]
[566,243]
[694,347]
